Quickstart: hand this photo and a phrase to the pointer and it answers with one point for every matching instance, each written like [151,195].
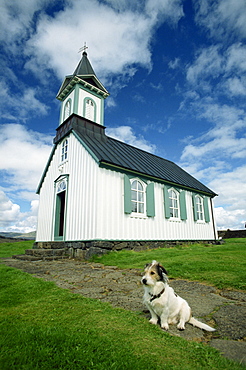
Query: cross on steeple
[83,48]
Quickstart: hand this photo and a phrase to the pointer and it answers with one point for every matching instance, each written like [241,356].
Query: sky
[176,73]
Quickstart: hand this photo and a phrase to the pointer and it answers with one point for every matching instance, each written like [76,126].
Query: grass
[10,249]
[223,266]
[45,327]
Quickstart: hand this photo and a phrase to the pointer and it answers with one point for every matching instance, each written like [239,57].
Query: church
[96,189]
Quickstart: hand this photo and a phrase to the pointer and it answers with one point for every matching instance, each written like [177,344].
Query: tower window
[64,151]
[67,109]
[90,109]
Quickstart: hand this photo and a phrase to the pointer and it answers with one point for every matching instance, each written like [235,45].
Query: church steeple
[84,67]
[82,93]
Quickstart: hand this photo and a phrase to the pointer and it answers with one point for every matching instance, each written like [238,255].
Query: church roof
[84,67]
[119,156]
[83,74]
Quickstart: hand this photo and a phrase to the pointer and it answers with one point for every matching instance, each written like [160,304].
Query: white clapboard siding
[95,205]
[114,224]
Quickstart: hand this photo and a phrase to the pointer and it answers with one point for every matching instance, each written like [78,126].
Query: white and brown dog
[163,303]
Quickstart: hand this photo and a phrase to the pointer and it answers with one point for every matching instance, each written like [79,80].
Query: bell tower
[82,93]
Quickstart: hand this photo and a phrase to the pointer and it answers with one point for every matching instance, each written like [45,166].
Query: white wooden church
[95,188]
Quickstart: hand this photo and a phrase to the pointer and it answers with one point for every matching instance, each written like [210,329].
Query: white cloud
[219,71]
[231,203]
[13,220]
[20,106]
[126,134]
[23,155]
[48,44]
[9,212]
[113,45]
[223,18]
[236,58]
[173,64]
[222,139]
[208,63]
[17,19]
[234,220]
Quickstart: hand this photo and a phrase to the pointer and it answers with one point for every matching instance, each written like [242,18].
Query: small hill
[13,237]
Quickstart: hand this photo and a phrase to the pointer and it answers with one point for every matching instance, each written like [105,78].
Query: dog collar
[155,296]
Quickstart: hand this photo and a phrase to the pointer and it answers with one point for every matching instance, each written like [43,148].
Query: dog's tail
[200,324]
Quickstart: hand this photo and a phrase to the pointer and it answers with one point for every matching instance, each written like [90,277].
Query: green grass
[10,249]
[223,266]
[45,327]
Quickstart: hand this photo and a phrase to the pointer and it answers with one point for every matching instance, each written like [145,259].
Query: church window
[90,109]
[173,203]
[137,197]
[198,208]
[67,109]
[64,150]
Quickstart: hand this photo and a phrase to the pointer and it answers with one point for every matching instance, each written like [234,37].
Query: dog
[163,303]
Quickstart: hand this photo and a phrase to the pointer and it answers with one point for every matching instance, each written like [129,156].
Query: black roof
[119,156]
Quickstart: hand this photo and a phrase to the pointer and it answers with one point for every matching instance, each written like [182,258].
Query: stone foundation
[86,249]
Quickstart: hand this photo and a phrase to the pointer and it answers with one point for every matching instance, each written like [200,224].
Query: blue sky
[176,73]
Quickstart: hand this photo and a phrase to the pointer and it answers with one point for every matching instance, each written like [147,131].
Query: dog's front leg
[164,319]
[154,317]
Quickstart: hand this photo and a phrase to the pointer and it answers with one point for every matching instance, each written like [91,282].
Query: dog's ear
[147,265]
[162,272]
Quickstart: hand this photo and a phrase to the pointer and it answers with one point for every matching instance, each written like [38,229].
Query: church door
[60,211]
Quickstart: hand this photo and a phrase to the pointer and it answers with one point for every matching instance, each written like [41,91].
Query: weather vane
[83,48]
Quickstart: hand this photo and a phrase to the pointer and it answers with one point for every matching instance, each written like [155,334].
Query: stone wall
[226,234]
[84,250]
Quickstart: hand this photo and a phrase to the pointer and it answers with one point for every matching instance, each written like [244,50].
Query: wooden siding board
[96,205]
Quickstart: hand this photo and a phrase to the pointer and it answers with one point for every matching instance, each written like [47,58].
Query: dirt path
[226,310]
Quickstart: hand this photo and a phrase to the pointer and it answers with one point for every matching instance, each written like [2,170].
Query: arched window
[67,110]
[199,208]
[64,150]
[90,109]
[173,203]
[137,197]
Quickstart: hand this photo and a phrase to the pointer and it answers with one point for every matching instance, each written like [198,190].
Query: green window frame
[175,204]
[138,198]
[200,208]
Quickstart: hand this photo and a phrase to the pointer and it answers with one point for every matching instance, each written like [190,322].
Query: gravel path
[226,310]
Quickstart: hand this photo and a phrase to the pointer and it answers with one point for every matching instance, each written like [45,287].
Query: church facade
[96,188]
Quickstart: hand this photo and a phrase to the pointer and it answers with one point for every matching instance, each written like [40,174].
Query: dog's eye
[152,273]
